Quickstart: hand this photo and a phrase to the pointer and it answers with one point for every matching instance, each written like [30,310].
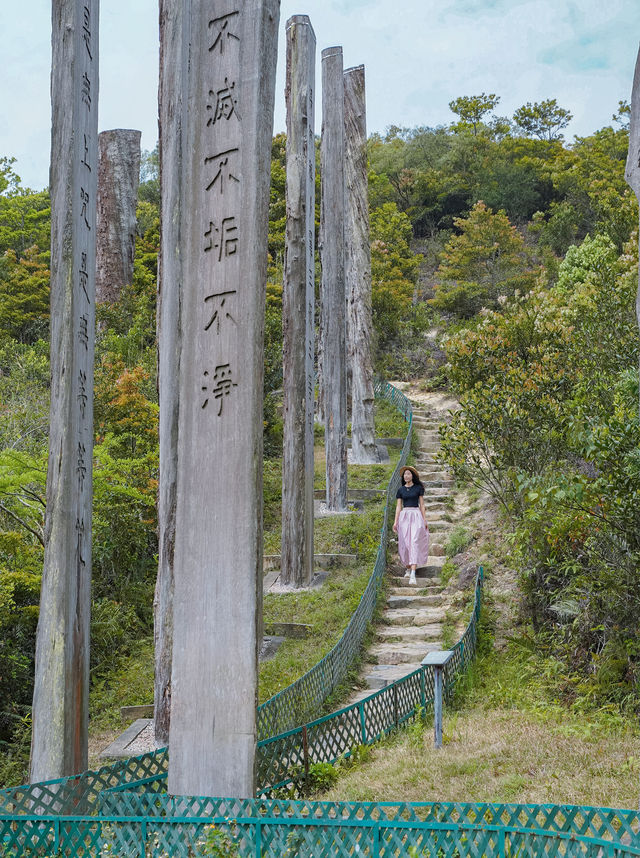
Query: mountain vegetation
[504,266]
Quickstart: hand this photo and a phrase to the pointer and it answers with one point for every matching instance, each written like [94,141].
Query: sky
[418,56]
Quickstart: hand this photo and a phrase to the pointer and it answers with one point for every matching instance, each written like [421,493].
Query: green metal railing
[158,826]
[94,810]
[304,698]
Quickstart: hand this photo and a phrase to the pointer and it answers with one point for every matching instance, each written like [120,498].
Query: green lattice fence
[159,825]
[304,698]
[61,817]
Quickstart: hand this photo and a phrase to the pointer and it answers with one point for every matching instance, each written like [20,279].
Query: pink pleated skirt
[413,538]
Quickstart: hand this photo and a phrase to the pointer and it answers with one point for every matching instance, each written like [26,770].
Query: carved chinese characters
[298,309]
[224,92]
[60,703]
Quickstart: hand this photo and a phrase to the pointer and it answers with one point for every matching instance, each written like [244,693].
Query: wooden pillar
[632,172]
[333,303]
[227,120]
[358,269]
[118,179]
[168,328]
[298,308]
[61,691]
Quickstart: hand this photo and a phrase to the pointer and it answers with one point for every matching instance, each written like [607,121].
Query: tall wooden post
[118,179]
[358,269]
[227,120]
[333,303]
[168,328]
[61,691]
[298,308]
[632,172]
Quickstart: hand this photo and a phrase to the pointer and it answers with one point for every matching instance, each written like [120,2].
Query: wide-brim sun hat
[416,475]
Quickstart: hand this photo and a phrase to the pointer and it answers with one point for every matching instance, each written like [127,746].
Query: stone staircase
[413,617]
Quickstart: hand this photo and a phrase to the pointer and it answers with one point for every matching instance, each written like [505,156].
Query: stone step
[402,653]
[380,675]
[439,525]
[413,616]
[394,602]
[413,590]
[410,633]
[438,484]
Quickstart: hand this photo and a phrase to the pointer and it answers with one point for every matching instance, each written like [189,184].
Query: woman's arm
[398,511]
[424,512]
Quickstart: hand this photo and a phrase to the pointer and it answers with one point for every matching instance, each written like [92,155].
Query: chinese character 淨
[220,386]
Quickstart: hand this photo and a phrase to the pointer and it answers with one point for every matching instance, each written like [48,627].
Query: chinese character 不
[224,171]
[226,104]
[86,90]
[84,196]
[220,27]
[86,29]
[84,277]
[219,309]
[225,243]
[220,386]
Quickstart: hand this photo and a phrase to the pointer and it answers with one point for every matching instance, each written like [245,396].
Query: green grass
[327,610]
[459,539]
[512,735]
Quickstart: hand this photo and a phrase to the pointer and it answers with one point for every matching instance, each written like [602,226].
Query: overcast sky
[419,55]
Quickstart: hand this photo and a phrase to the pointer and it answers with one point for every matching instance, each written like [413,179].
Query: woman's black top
[409,495]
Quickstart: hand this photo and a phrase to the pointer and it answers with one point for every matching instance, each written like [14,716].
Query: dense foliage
[526,261]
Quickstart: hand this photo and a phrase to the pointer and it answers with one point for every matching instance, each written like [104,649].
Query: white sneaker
[407,573]
[412,578]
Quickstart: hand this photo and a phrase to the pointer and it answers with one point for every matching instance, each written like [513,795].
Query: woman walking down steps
[411,523]
[413,619]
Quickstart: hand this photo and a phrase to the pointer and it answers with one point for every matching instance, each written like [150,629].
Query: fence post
[363,723]
[395,704]
[305,752]
[438,659]
[423,691]
[502,848]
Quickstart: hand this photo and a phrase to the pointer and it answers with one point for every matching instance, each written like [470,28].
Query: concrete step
[394,602]
[413,616]
[410,633]
[380,675]
[402,653]
[413,591]
[438,484]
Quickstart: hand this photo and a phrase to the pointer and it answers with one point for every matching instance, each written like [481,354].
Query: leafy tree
[471,108]
[9,179]
[394,269]
[24,295]
[544,119]
[149,187]
[485,260]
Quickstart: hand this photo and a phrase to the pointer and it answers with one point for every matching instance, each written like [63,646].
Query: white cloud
[419,55]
